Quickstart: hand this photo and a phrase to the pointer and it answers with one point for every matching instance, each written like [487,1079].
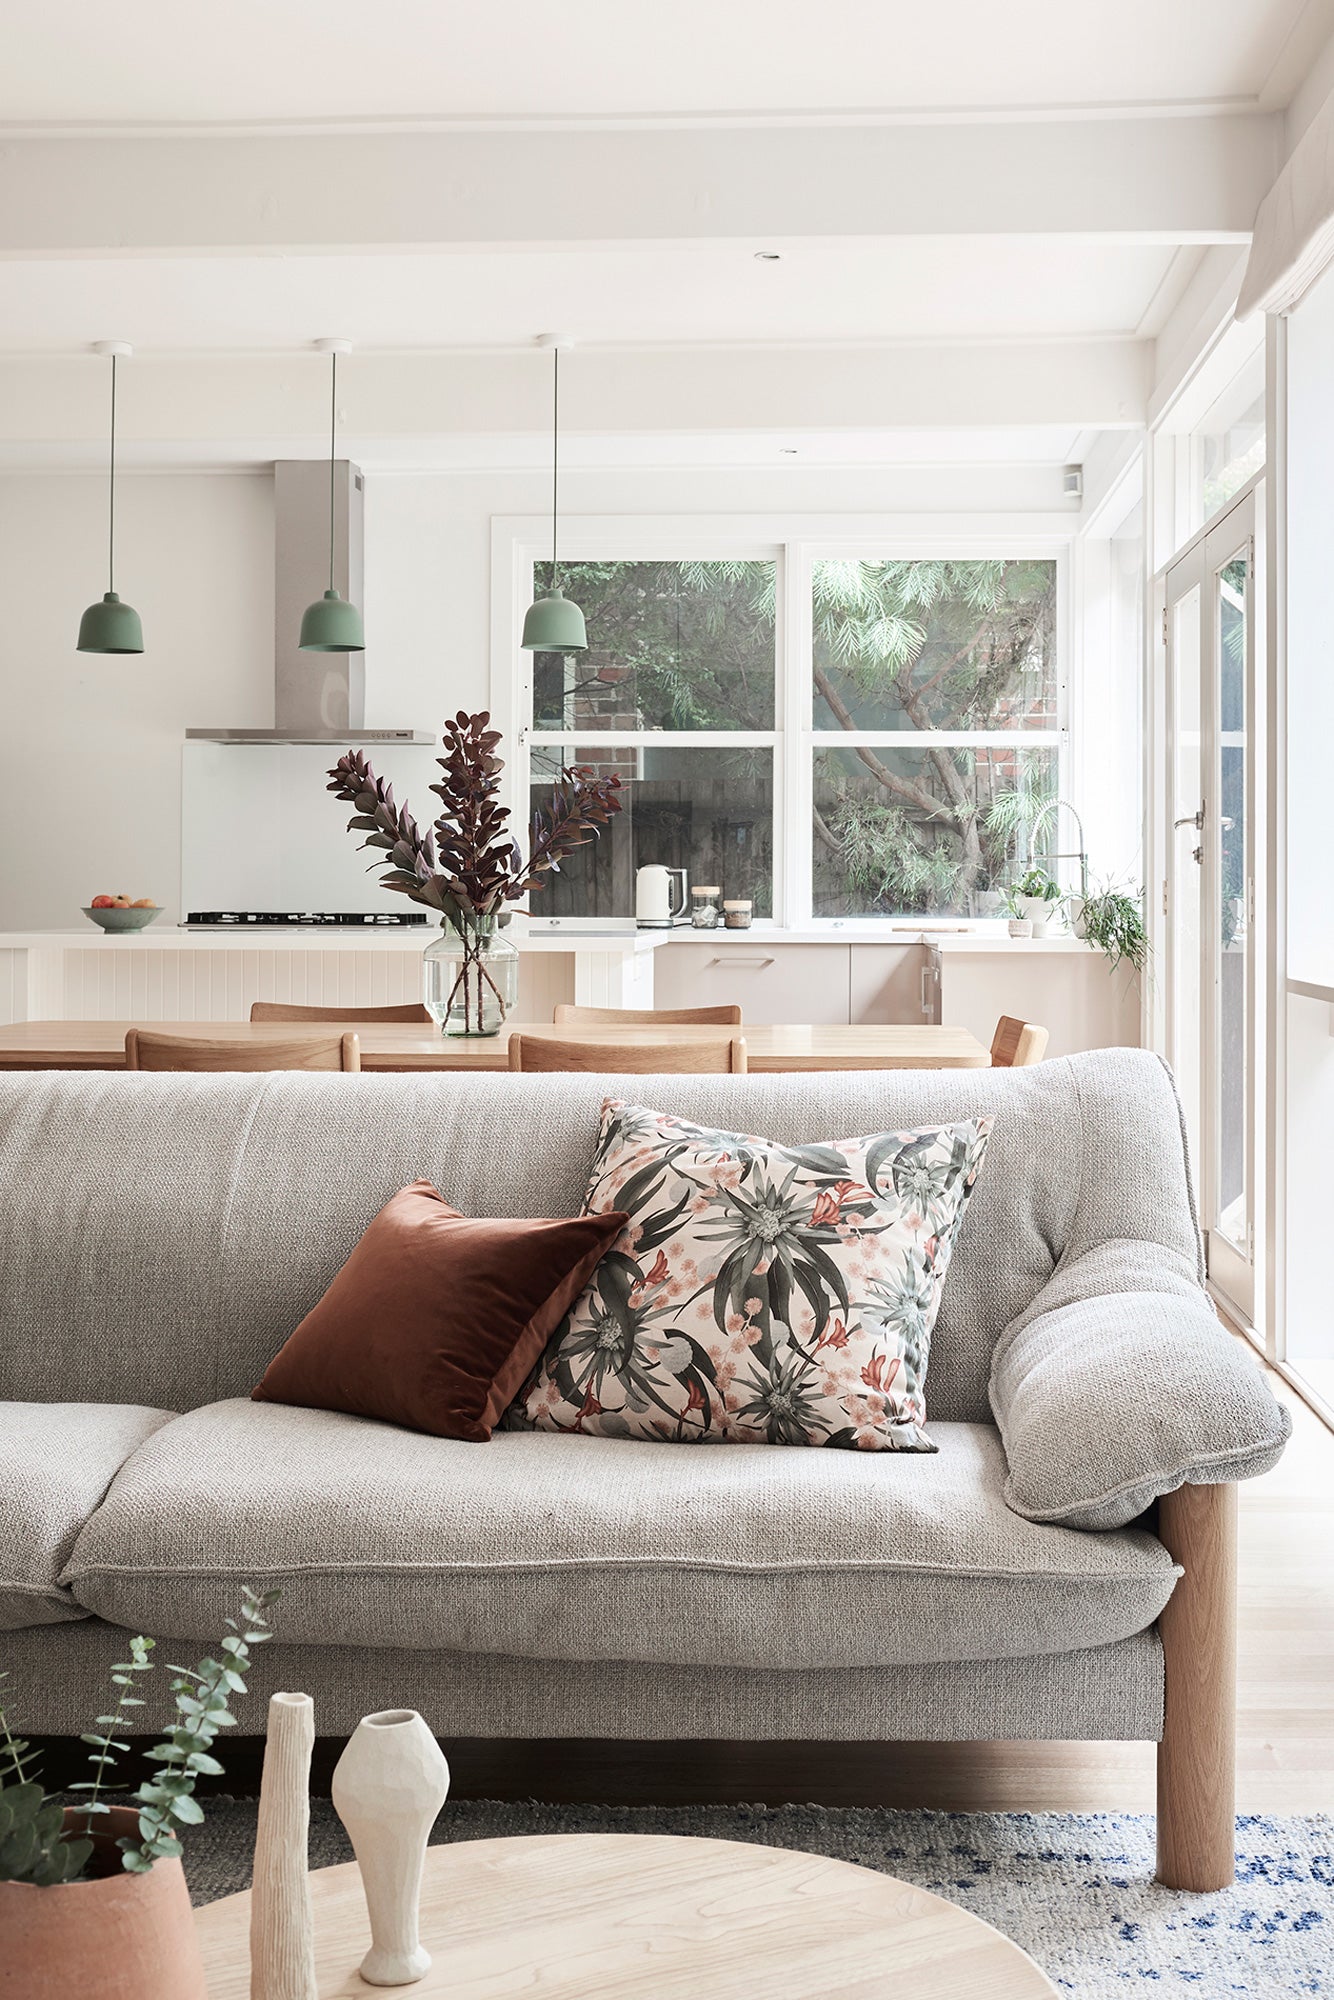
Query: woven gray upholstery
[56,1462]
[161,1236]
[58,1678]
[1119,1384]
[551,1546]
[211,1212]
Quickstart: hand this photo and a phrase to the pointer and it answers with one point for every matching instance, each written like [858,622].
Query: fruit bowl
[123,920]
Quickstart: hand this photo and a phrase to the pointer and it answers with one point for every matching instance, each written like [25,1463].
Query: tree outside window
[933,698]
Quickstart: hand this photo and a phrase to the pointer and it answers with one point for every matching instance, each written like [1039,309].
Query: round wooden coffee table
[612,1916]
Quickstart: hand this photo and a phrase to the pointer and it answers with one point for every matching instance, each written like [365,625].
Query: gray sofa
[160,1236]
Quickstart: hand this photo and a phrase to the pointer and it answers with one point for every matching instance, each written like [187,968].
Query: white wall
[93,800]
[91,797]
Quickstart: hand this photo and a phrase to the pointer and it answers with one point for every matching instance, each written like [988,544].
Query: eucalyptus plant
[39,1846]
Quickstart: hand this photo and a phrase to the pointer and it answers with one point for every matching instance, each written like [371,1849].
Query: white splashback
[259,831]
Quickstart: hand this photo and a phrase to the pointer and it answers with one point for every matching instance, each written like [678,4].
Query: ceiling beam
[1179,179]
[54,409]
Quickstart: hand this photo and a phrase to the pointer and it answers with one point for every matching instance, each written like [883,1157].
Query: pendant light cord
[555,455]
[333,437]
[111,500]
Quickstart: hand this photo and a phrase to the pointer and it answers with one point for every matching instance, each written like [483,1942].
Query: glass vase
[471,978]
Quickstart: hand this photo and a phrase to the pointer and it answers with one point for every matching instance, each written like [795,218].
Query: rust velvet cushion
[437,1318]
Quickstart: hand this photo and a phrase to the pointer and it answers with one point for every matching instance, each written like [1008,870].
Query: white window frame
[794,544]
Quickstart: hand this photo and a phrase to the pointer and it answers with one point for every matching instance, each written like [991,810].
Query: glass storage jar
[705,914]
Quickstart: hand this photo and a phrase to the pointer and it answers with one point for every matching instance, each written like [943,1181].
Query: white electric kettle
[656,897]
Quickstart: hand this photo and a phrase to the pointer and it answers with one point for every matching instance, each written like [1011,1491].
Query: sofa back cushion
[162,1235]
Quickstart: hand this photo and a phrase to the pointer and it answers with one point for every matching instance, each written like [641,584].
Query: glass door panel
[1211,970]
[1186,796]
[1231,968]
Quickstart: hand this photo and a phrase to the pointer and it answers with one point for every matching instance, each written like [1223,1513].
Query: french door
[1211,963]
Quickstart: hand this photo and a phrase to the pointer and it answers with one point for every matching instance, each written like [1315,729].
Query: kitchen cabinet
[769,979]
[1071,990]
[886,983]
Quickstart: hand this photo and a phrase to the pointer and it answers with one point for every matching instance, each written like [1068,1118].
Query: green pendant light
[554,623]
[331,624]
[110,626]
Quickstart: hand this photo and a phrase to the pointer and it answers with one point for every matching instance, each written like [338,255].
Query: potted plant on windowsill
[93,1902]
[1035,896]
[468,866]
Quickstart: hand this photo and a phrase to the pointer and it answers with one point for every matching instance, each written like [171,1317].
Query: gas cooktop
[225,919]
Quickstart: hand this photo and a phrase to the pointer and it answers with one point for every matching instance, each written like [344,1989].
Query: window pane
[671,645]
[901,831]
[1231,440]
[707,811]
[934,645]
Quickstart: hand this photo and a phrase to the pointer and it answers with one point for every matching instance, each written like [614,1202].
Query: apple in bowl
[121,913]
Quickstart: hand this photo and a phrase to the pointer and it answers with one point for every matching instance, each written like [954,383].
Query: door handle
[741,961]
[1195,819]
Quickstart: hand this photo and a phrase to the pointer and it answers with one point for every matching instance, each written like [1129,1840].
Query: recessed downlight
[768,256]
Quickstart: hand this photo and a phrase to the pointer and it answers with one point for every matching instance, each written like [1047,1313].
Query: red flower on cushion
[835,1335]
[825,1210]
[874,1376]
[591,1408]
[658,1274]
[873,1371]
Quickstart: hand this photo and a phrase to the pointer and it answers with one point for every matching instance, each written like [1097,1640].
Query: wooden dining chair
[1017,1044]
[145,1050]
[565,1014]
[279,1010]
[544,1052]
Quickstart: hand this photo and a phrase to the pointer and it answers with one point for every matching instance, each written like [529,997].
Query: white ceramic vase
[282,1934]
[388,1787]
[1039,912]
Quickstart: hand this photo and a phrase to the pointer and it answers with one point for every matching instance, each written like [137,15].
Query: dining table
[393,1046]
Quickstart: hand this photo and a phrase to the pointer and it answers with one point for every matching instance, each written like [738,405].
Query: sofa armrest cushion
[1120,1384]
[57,1461]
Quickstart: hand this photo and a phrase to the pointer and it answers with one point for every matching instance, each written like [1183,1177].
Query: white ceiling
[157,61]
[919,288]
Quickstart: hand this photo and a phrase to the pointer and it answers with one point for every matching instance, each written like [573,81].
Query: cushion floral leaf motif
[759,1294]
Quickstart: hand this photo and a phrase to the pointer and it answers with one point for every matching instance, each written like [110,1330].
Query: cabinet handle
[741,961]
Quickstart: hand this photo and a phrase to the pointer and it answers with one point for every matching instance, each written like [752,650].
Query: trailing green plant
[37,1845]
[1114,922]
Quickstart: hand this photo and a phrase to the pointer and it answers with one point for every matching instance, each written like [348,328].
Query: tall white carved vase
[282,1936]
[388,1787]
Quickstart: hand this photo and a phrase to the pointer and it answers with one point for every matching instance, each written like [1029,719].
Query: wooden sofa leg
[1197,1755]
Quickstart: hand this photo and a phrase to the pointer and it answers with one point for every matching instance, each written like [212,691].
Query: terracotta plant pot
[114,1937]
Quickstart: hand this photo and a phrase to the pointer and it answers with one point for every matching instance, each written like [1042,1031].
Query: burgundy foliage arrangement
[468,865]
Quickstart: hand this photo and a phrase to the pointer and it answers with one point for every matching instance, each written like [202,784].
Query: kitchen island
[835,973]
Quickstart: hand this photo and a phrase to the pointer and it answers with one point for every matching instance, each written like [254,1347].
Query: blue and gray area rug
[1076,1890]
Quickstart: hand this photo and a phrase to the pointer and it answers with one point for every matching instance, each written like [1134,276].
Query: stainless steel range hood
[317,697]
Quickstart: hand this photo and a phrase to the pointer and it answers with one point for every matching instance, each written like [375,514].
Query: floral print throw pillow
[759,1294]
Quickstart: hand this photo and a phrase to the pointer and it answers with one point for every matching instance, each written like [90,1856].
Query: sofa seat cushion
[56,1463]
[551,1546]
